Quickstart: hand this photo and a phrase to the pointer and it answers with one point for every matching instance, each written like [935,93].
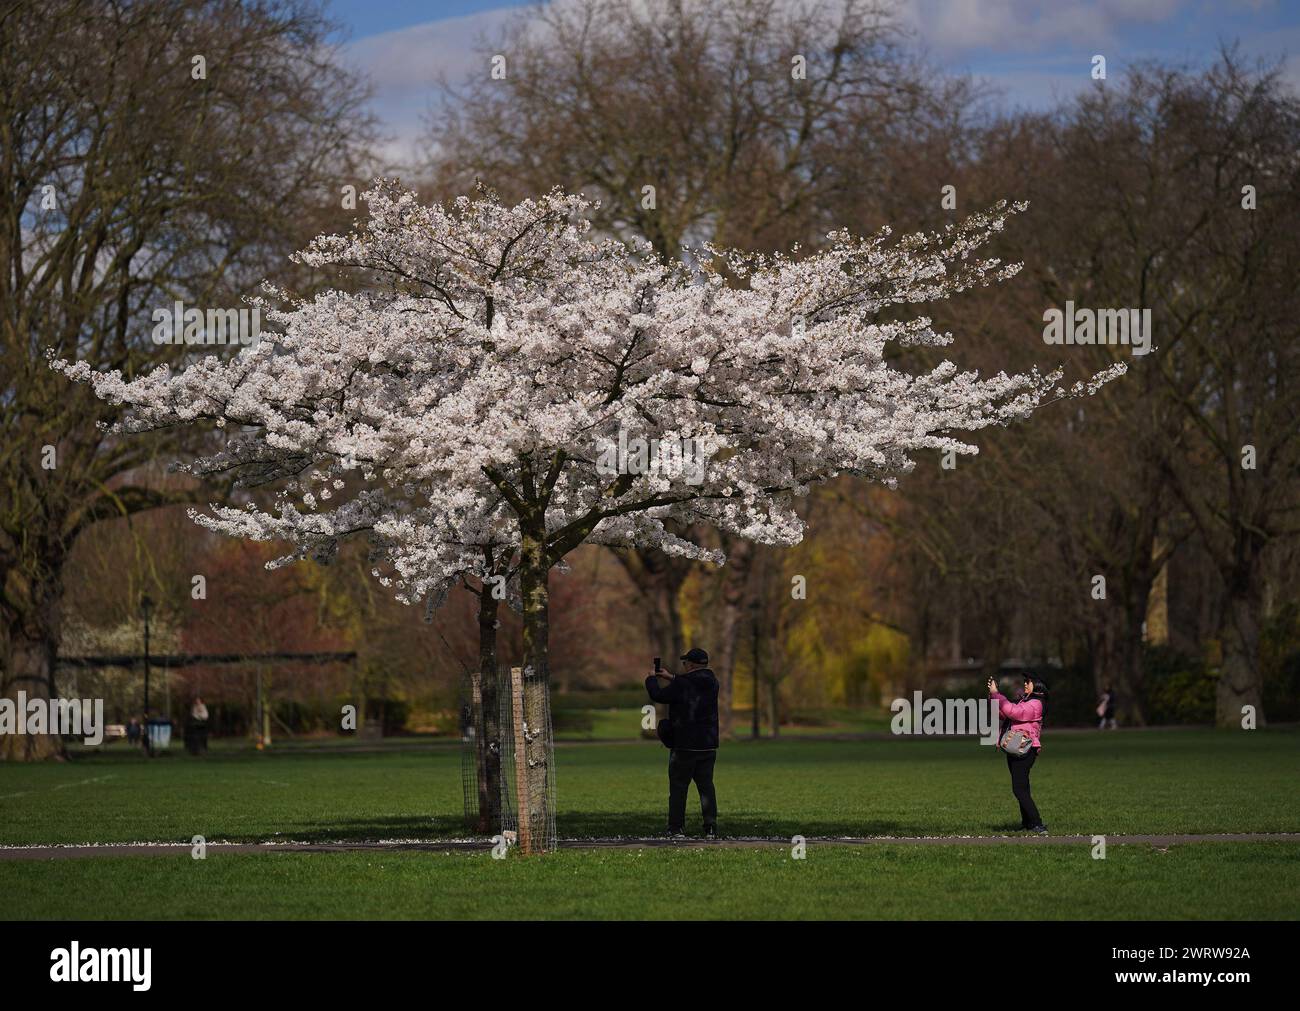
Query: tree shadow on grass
[600,825]
[368,829]
[578,825]
[614,825]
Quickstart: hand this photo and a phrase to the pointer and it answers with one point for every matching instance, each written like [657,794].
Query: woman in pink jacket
[1025,715]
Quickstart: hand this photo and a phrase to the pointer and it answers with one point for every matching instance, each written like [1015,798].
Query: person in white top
[196,730]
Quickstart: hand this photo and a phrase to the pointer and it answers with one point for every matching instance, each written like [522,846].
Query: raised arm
[661,692]
[1019,712]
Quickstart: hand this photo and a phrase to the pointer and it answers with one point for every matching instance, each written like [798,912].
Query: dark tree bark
[733,591]
[1241,681]
[486,706]
[30,657]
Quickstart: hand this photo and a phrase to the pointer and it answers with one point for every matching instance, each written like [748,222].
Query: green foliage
[572,720]
[629,697]
[1178,689]
[392,713]
[1280,647]
[874,660]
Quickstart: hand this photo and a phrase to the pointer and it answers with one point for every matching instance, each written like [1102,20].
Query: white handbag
[1016,742]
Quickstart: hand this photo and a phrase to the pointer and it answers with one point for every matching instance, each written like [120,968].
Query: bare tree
[1141,197]
[149,152]
[1215,222]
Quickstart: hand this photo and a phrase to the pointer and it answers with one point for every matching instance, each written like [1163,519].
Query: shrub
[1177,688]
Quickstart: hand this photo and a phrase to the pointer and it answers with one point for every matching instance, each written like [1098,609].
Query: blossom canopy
[452,395]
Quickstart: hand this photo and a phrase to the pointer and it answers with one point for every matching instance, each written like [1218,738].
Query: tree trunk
[658,577]
[1117,662]
[756,670]
[31,656]
[487,716]
[533,587]
[660,580]
[1241,679]
[734,580]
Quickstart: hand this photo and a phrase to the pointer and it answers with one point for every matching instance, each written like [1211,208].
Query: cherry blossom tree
[498,385]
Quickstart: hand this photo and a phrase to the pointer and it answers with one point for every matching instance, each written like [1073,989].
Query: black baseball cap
[696,655]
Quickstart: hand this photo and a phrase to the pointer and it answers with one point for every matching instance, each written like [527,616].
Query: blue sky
[1030,50]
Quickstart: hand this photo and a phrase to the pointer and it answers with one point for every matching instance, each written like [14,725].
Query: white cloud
[1032,50]
[405,66]
[1003,26]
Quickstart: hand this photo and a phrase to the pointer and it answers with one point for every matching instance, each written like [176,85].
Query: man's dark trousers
[683,768]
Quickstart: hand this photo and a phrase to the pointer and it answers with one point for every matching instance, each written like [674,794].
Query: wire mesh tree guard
[480,758]
[508,765]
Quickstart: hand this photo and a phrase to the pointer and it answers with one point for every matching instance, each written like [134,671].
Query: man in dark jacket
[692,700]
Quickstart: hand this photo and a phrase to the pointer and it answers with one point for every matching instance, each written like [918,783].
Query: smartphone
[658,668]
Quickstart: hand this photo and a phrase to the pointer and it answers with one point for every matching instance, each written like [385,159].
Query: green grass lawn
[1202,881]
[1128,782]
[1155,781]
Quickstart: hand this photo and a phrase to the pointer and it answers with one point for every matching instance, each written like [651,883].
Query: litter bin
[160,735]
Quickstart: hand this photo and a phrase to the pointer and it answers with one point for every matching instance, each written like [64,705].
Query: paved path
[480,845]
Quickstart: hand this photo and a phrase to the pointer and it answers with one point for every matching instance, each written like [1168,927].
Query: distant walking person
[1106,709]
[1023,719]
[692,735]
[196,730]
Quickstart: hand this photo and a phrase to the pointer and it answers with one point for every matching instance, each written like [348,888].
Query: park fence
[508,756]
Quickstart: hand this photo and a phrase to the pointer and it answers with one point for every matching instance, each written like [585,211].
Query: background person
[1106,709]
[196,730]
[692,700]
[1025,715]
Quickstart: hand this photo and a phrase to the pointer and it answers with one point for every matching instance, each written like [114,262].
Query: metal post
[146,609]
[146,605]
[755,712]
